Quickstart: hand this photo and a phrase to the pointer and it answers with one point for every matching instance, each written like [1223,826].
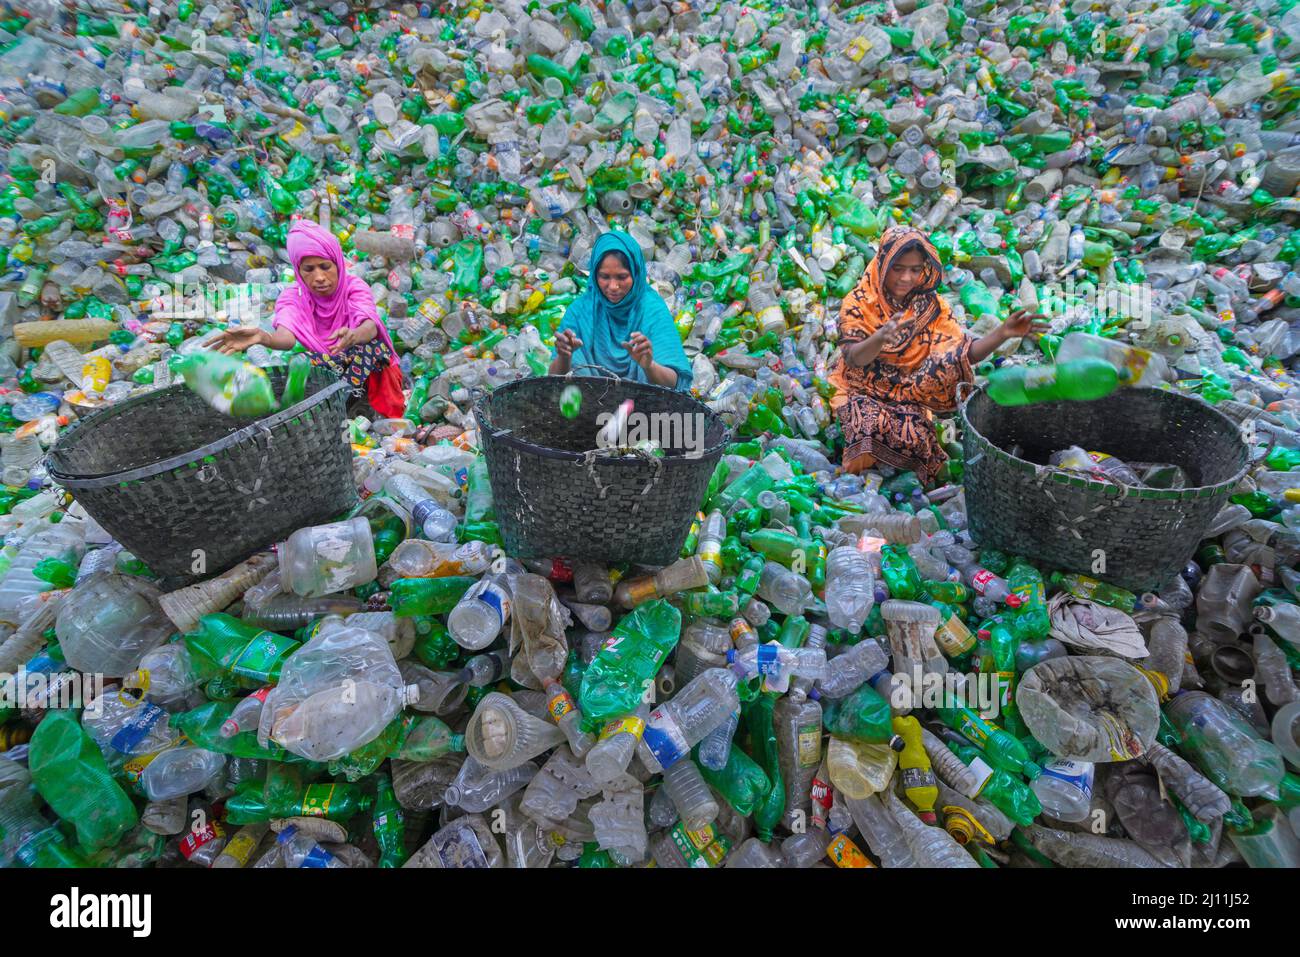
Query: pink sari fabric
[311,317]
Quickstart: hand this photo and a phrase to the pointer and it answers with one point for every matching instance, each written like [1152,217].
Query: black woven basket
[556,494]
[167,475]
[1024,506]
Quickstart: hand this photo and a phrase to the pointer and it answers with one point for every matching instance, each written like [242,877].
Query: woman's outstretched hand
[641,349]
[1022,322]
[238,339]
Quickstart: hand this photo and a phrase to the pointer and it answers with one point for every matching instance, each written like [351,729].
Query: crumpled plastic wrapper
[1089,708]
[537,623]
[1086,625]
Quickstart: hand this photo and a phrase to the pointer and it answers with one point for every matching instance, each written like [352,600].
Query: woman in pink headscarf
[333,315]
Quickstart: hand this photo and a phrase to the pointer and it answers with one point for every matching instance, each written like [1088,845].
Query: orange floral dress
[886,408]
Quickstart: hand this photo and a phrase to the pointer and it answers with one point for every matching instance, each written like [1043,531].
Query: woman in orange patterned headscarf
[901,356]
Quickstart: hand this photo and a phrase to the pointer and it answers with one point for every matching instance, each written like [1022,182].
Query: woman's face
[319,274]
[613,278]
[905,274]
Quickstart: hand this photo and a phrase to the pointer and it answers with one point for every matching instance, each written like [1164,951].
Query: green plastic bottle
[230,385]
[900,573]
[1031,619]
[623,670]
[228,644]
[761,722]
[741,782]
[1012,797]
[295,383]
[390,824]
[1081,380]
[72,776]
[428,596]
[1002,749]
[862,716]
[1081,586]
[334,802]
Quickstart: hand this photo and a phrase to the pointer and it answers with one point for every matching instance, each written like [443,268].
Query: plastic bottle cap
[1015,601]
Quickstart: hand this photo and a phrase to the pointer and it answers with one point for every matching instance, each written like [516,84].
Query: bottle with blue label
[679,724]
[1065,789]
[481,614]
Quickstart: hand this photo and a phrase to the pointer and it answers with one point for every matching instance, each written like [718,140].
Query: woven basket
[1061,518]
[557,495]
[168,476]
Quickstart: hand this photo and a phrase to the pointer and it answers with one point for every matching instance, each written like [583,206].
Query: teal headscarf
[603,326]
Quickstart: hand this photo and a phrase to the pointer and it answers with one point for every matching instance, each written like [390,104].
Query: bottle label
[980,580]
[196,839]
[981,772]
[317,857]
[641,590]
[711,553]
[137,728]
[740,628]
[918,778]
[241,847]
[560,705]
[459,847]
[844,853]
[809,745]
[259,657]
[630,725]
[1077,774]
[768,660]
[664,738]
[422,512]
[822,798]
[492,595]
[316,801]
[954,638]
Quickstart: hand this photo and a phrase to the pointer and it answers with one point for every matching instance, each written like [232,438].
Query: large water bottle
[109,622]
[323,559]
[1226,747]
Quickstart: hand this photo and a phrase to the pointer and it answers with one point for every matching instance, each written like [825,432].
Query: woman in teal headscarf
[620,323]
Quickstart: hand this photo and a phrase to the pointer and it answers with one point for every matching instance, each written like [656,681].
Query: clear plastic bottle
[778,664]
[878,827]
[435,523]
[690,795]
[798,720]
[554,792]
[476,788]
[846,672]
[1226,747]
[180,771]
[481,613]
[1065,789]
[680,723]
[850,588]
[324,559]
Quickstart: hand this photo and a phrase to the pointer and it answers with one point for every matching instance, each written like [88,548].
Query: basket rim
[1061,476]
[106,479]
[488,431]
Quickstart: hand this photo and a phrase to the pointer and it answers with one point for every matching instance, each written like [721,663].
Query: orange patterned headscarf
[869,306]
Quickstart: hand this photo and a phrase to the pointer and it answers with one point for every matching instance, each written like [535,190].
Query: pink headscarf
[311,317]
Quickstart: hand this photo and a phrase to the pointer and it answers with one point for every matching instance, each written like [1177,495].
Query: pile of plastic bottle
[391,690]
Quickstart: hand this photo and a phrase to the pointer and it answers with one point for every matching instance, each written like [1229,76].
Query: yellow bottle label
[844,853]
[631,724]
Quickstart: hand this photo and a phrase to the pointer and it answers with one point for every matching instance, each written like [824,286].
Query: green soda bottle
[623,670]
[428,596]
[69,771]
[232,386]
[295,383]
[389,825]
[1013,798]
[434,645]
[748,487]
[478,497]
[1081,586]
[203,727]
[778,546]
[952,593]
[863,716]
[334,802]
[232,646]
[1030,619]
[1003,749]
[741,782]
[761,722]
[900,573]
[1081,380]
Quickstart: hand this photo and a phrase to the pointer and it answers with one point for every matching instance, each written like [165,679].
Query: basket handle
[609,373]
